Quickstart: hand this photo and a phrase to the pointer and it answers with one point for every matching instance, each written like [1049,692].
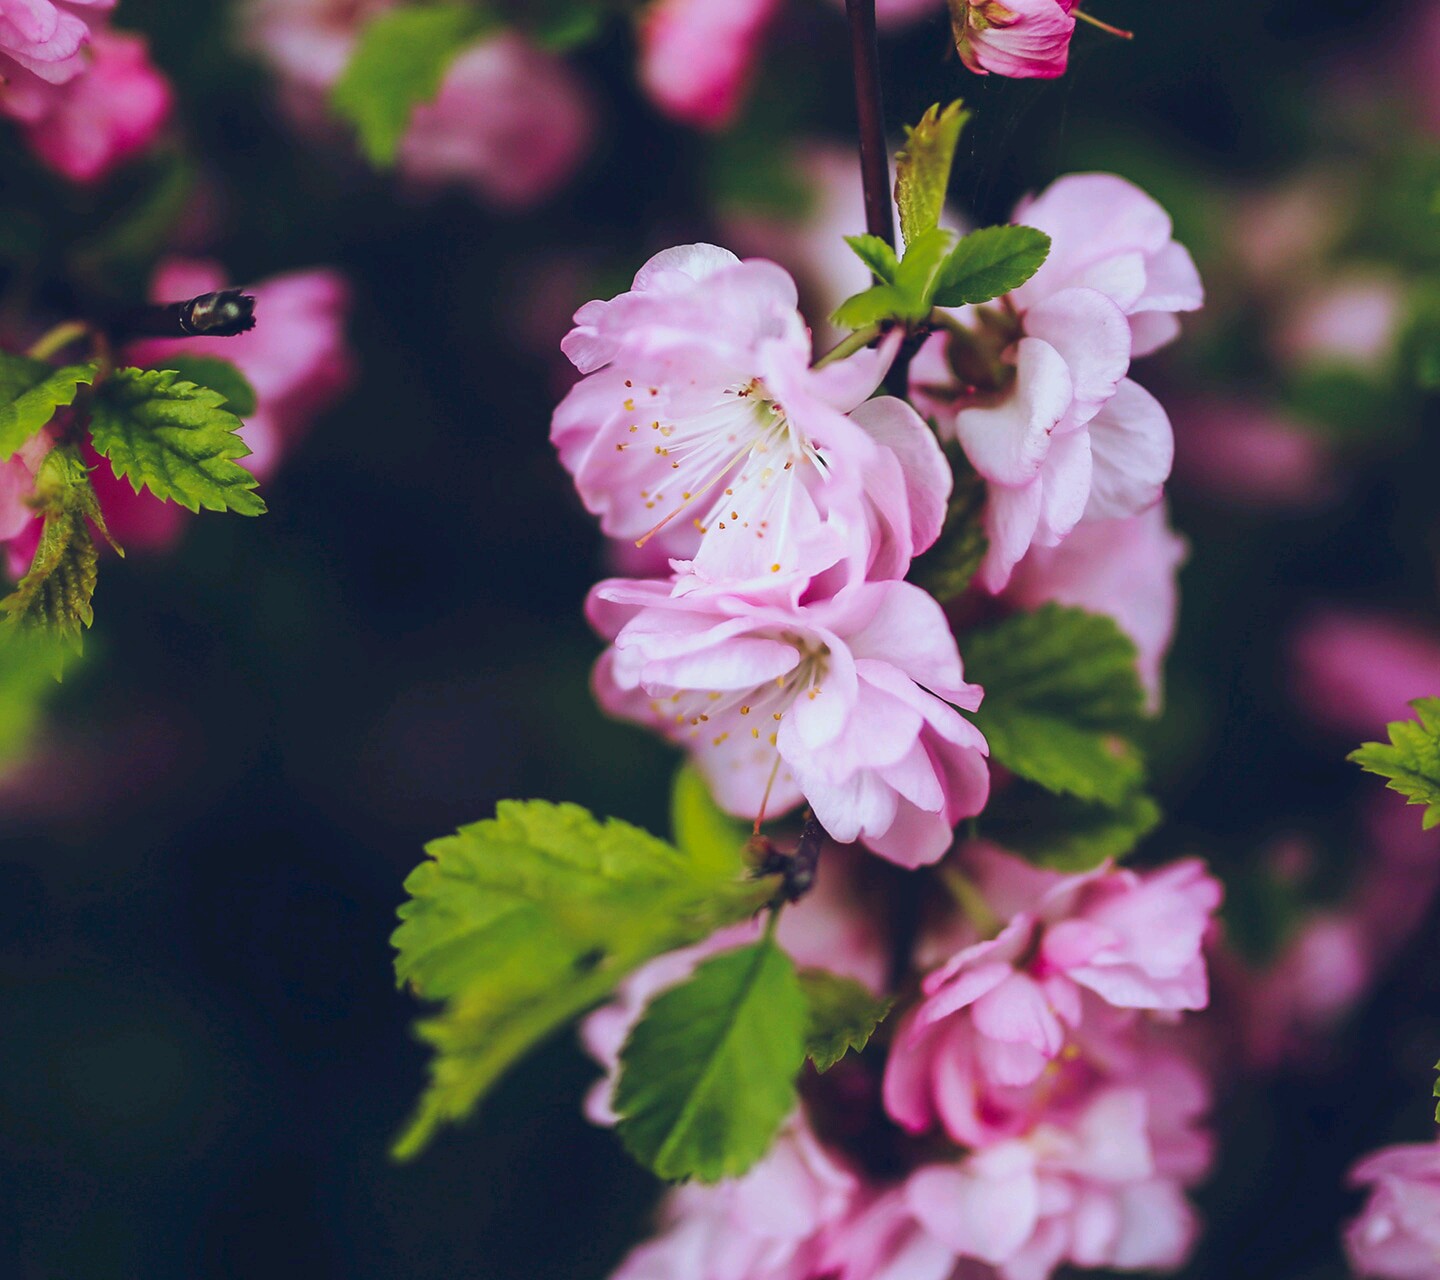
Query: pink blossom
[296,357]
[697,57]
[1397,1235]
[511,123]
[1351,320]
[891,15]
[1126,568]
[42,44]
[1020,38]
[699,402]
[767,1225]
[1251,455]
[1001,1010]
[1062,434]
[1094,1191]
[1355,672]
[20,523]
[844,702]
[97,121]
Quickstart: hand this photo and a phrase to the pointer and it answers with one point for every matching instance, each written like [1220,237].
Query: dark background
[204,1056]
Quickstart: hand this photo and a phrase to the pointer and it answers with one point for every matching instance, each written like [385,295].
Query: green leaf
[30,393]
[54,597]
[707,1076]
[946,569]
[1062,701]
[908,298]
[712,839]
[843,1016]
[922,168]
[524,921]
[1411,760]
[559,25]
[870,306]
[219,376]
[399,62]
[1066,834]
[989,263]
[876,254]
[27,663]
[175,439]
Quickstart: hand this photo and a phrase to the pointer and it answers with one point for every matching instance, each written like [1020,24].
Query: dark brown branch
[870,108]
[224,314]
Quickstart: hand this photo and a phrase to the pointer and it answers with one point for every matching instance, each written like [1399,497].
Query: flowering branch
[870,107]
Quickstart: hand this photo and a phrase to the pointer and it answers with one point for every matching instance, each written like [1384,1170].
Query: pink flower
[296,357]
[1355,672]
[97,121]
[41,45]
[1352,321]
[891,15]
[844,703]
[696,56]
[20,524]
[1397,1235]
[1020,38]
[1059,432]
[767,1225]
[700,402]
[1126,568]
[1000,1011]
[1251,455]
[511,123]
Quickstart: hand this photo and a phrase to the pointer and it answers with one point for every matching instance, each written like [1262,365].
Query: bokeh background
[204,1053]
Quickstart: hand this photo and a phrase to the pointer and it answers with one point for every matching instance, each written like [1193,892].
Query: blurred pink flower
[697,57]
[1021,38]
[297,357]
[1397,1235]
[97,121]
[1354,672]
[19,523]
[1000,1012]
[1351,320]
[1126,568]
[699,398]
[843,702]
[41,45]
[1250,455]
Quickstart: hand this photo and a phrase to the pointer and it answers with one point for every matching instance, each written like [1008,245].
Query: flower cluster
[783,650]
[87,98]
[1034,1112]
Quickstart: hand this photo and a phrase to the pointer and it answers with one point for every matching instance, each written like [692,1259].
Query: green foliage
[711,839]
[30,393]
[175,439]
[54,597]
[946,569]
[1062,701]
[400,61]
[27,661]
[707,1076]
[1411,760]
[988,263]
[910,297]
[922,168]
[557,24]
[843,1016]
[876,254]
[522,922]
[219,376]
[1066,834]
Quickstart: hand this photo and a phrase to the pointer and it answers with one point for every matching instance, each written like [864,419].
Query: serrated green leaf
[876,254]
[989,263]
[1411,759]
[922,168]
[707,1076]
[219,376]
[710,837]
[1062,701]
[524,921]
[1066,834]
[842,1016]
[947,568]
[30,393]
[175,439]
[908,298]
[399,62]
[870,306]
[54,597]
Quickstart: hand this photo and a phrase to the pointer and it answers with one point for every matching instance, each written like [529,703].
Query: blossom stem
[870,107]
[848,346]
[226,313]
[60,337]
[1103,26]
